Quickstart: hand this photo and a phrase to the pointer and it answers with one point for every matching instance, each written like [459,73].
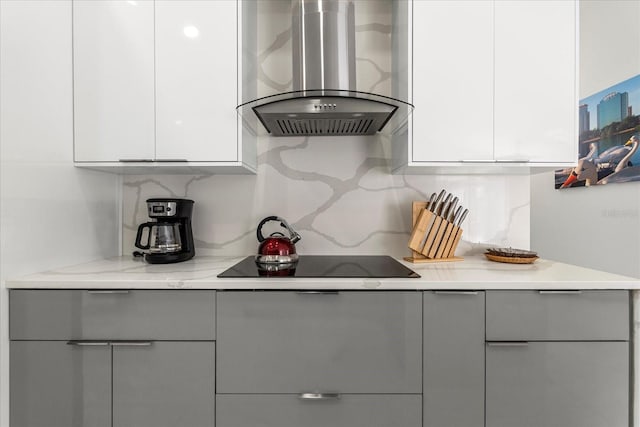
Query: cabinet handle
[88,343]
[508,344]
[171,160]
[318,292]
[565,292]
[319,396]
[455,292]
[108,292]
[478,161]
[132,343]
[512,161]
[135,160]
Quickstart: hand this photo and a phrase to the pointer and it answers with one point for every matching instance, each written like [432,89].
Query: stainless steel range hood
[324,100]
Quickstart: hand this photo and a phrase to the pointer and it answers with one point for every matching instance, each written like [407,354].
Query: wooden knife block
[433,238]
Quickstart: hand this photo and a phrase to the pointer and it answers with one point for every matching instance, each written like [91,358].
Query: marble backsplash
[336,192]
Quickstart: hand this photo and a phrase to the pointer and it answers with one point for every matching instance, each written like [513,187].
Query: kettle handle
[263,222]
[139,235]
[293,236]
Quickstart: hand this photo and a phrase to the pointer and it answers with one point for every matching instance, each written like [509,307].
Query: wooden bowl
[511,259]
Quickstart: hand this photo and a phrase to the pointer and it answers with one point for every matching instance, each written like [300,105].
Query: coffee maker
[169,238]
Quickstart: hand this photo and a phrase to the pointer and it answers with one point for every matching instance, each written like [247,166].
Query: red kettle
[277,247]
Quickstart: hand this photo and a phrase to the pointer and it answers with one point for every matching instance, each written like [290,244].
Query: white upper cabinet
[453,80]
[156,86]
[535,81]
[196,78]
[113,80]
[493,83]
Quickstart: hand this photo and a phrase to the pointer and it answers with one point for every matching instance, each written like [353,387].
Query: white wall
[599,226]
[51,214]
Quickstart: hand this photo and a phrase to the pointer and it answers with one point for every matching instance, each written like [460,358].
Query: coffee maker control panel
[161,209]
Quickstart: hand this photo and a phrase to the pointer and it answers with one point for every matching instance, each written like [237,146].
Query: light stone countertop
[474,273]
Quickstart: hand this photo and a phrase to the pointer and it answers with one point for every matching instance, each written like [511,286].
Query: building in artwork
[584,118]
[613,108]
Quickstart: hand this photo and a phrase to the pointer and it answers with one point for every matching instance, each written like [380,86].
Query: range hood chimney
[323,40]
[324,100]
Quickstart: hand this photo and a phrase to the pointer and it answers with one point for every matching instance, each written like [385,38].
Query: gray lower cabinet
[453,365]
[557,384]
[278,410]
[557,358]
[316,359]
[116,359]
[309,359]
[58,385]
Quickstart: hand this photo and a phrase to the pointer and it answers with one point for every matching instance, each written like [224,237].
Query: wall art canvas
[609,135]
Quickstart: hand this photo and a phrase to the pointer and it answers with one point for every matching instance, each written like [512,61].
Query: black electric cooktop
[334,266]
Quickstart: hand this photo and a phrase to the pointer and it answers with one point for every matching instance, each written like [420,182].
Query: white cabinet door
[535,80]
[452,80]
[113,80]
[196,79]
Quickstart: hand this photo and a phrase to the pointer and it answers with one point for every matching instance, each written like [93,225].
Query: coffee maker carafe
[169,238]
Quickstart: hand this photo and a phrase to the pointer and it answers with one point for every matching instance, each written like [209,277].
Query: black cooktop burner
[335,266]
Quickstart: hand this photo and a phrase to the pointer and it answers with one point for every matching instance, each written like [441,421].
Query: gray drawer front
[351,342]
[543,316]
[558,384]
[290,411]
[136,314]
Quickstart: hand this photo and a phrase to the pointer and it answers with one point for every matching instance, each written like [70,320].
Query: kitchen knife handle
[462,218]
[456,215]
[451,209]
[444,206]
[319,396]
[432,200]
[436,204]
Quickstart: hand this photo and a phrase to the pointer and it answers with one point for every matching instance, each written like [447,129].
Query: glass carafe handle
[141,228]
